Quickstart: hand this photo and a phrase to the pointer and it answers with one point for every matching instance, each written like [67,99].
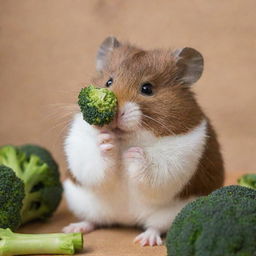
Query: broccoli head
[37,169]
[223,223]
[11,196]
[248,180]
[98,106]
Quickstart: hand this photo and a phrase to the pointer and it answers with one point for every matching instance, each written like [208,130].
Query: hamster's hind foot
[150,237]
[83,227]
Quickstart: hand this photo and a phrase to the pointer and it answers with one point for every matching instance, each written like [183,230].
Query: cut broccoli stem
[76,238]
[21,244]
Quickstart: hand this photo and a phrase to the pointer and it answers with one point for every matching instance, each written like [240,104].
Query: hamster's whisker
[145,124]
[132,115]
[59,128]
[164,126]
[60,111]
[60,135]
[58,116]
[60,104]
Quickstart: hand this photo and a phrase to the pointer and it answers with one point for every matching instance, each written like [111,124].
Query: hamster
[159,153]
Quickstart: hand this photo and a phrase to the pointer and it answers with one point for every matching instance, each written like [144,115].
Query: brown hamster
[159,153]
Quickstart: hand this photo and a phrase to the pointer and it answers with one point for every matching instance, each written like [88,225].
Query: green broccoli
[248,180]
[98,106]
[223,223]
[37,169]
[21,244]
[11,196]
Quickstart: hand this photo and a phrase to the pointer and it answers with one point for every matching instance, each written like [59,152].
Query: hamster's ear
[106,47]
[190,64]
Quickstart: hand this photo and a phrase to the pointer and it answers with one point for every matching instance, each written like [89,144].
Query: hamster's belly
[125,205]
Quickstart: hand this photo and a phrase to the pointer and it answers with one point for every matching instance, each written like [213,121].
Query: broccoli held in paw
[223,223]
[22,244]
[11,196]
[248,180]
[98,106]
[38,171]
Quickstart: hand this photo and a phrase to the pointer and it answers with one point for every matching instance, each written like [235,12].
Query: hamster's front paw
[106,142]
[135,161]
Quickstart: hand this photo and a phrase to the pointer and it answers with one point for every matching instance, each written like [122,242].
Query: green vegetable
[37,169]
[223,223]
[21,244]
[98,106]
[11,196]
[248,180]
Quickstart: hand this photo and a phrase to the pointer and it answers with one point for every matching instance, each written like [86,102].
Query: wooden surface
[106,242]
[48,49]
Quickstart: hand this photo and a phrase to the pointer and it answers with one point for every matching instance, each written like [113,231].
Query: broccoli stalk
[21,244]
[30,210]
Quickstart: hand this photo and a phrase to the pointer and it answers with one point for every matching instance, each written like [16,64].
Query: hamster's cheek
[129,116]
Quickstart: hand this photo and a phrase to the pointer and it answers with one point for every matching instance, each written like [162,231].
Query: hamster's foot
[83,227]
[135,161]
[106,141]
[150,237]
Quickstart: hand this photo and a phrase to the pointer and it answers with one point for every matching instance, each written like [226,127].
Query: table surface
[107,242]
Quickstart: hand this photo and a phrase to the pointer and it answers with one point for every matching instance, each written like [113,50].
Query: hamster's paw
[150,237]
[83,227]
[135,160]
[106,142]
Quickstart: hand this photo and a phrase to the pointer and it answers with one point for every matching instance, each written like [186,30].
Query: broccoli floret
[98,106]
[248,180]
[37,169]
[21,244]
[11,196]
[223,223]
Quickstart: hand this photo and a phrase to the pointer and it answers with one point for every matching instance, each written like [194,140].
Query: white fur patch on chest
[173,161]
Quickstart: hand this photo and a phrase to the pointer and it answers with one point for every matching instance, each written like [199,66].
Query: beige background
[48,47]
[47,53]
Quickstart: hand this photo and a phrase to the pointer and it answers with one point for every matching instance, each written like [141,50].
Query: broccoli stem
[33,173]
[21,244]
[31,177]
[28,215]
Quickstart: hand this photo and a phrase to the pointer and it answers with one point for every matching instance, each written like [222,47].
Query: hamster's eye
[109,82]
[146,89]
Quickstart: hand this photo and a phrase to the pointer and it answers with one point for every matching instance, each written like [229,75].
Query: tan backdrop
[48,47]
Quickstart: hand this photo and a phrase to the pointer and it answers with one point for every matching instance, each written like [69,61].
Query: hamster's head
[152,87]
